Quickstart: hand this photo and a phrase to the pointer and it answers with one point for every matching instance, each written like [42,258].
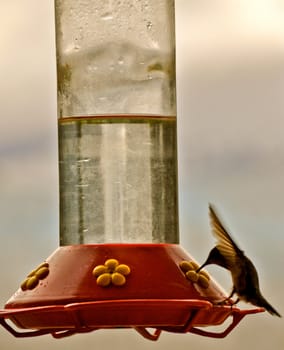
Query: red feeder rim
[83,288]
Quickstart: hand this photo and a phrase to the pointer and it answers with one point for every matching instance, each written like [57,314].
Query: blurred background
[230,83]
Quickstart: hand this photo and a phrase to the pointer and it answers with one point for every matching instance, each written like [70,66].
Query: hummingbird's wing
[225,244]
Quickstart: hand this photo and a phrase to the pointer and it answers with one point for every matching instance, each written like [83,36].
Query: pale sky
[230,83]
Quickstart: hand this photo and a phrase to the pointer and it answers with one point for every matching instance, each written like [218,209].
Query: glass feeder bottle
[117,121]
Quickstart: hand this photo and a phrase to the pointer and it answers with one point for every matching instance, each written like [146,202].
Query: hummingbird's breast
[245,280]
[239,277]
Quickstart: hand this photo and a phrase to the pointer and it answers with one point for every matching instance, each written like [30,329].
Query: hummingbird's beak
[200,267]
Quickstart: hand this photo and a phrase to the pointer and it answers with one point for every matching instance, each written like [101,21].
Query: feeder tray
[83,288]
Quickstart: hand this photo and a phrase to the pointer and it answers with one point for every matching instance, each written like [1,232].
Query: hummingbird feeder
[119,264]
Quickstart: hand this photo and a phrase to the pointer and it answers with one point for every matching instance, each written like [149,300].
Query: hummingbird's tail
[268,307]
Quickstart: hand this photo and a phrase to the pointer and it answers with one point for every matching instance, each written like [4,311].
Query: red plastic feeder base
[83,288]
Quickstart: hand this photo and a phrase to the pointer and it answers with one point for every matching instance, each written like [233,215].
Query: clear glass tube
[117,121]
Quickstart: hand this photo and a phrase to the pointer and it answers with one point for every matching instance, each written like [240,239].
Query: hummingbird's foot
[235,302]
[223,302]
[227,301]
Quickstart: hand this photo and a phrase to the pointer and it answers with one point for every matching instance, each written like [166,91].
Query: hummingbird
[228,255]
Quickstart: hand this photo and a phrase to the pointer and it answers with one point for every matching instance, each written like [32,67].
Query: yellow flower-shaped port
[111,273]
[35,276]
[189,268]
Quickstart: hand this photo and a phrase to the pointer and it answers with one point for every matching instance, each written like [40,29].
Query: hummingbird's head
[214,257]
